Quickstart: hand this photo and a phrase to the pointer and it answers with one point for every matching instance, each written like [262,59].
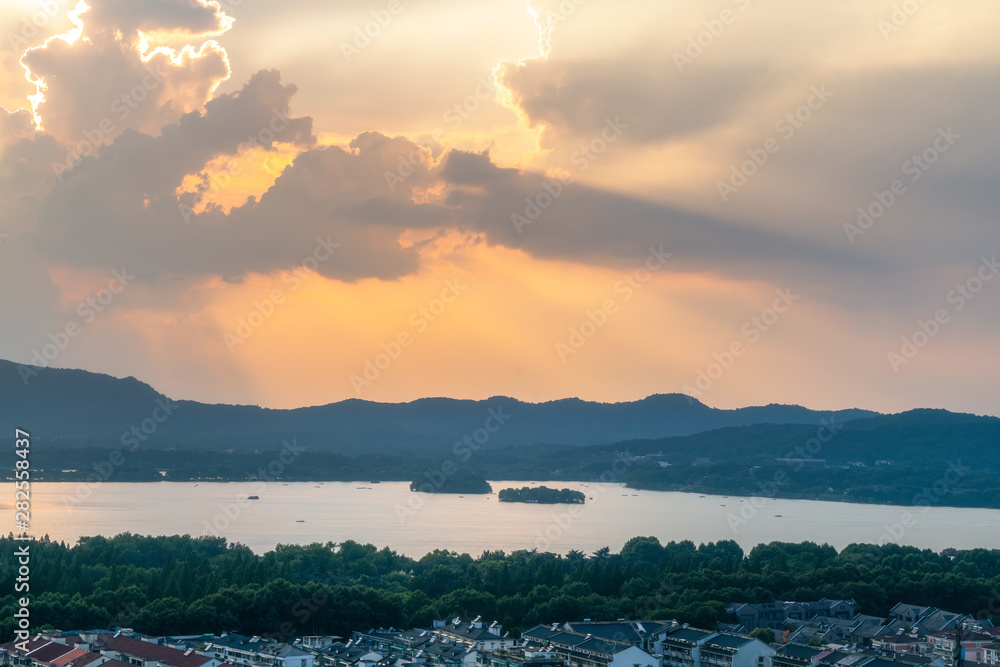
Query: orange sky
[644,109]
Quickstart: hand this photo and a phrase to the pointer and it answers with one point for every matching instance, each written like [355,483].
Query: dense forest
[541,494]
[162,585]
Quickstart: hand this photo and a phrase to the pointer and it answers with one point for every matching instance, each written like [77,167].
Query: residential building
[900,642]
[350,654]
[50,652]
[681,646]
[100,649]
[147,652]
[586,650]
[776,614]
[445,654]
[255,651]
[865,628]
[974,644]
[391,640]
[475,633]
[315,642]
[925,620]
[796,655]
[726,649]
[519,657]
[637,633]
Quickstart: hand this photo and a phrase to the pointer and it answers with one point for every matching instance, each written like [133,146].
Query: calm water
[388,514]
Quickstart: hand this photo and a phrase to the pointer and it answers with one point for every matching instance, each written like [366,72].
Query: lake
[389,514]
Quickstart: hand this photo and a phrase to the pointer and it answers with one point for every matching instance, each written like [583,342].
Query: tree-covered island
[541,494]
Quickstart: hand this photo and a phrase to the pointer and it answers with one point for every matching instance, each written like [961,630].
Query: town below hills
[664,442]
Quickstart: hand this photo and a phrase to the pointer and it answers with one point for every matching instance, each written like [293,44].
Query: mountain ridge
[77,406]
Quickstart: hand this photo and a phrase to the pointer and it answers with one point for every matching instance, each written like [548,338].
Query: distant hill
[919,457]
[913,439]
[664,442]
[73,407]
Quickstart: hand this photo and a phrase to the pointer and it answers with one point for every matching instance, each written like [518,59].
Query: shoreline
[369,480]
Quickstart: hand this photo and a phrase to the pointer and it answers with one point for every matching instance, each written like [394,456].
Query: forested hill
[916,457]
[78,407]
[917,438]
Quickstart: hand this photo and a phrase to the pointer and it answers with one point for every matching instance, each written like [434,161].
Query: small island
[541,494]
[441,483]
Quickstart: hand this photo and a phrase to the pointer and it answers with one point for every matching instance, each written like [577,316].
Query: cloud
[14,125]
[191,18]
[25,168]
[126,205]
[103,79]
[127,194]
[584,224]
[575,98]
[121,206]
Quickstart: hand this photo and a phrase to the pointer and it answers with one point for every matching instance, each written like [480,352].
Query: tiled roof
[600,646]
[540,632]
[69,656]
[727,641]
[150,651]
[615,631]
[49,652]
[799,651]
[692,635]
[87,658]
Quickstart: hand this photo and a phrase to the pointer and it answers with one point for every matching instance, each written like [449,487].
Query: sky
[290,204]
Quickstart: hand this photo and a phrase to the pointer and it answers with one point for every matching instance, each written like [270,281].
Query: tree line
[180,584]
